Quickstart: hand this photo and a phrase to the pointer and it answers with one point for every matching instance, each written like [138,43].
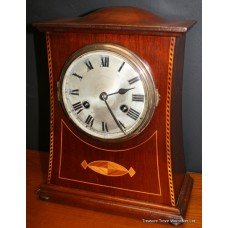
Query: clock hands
[104,97]
[120,91]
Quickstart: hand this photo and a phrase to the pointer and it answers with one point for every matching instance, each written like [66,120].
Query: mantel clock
[115,113]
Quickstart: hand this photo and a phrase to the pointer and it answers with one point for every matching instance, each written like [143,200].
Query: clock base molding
[118,205]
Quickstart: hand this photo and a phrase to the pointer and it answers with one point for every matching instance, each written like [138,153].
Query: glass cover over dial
[107,91]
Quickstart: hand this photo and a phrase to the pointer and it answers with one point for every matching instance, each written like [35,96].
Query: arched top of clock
[123,15]
[119,18]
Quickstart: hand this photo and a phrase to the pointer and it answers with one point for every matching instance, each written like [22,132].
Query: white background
[215,113]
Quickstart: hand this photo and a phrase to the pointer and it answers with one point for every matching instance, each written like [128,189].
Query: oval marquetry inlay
[108,168]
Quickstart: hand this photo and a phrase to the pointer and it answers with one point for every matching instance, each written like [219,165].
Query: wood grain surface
[44,214]
[124,18]
[160,170]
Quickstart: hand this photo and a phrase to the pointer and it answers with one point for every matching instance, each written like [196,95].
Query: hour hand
[121,91]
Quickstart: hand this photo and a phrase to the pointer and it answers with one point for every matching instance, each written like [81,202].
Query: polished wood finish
[160,186]
[45,214]
[119,19]
[118,205]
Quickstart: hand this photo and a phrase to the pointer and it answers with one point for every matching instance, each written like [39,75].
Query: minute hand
[110,110]
[120,91]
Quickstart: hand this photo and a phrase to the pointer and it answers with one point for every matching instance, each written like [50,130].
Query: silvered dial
[107,91]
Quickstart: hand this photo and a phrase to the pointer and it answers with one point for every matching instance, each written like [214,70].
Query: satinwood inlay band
[168,111]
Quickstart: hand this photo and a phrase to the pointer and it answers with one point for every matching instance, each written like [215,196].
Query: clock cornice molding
[135,20]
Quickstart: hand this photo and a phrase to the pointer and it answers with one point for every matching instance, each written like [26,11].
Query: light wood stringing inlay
[168,106]
[107,186]
[48,43]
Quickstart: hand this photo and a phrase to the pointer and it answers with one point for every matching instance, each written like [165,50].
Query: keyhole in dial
[124,108]
[86,104]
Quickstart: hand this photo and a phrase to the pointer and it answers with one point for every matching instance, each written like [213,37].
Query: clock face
[107,91]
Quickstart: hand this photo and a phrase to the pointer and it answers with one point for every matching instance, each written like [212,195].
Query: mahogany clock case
[154,182]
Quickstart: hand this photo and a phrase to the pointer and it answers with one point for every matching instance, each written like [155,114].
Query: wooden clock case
[145,176]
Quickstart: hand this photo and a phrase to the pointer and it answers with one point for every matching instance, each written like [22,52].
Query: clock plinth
[117,205]
[142,175]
